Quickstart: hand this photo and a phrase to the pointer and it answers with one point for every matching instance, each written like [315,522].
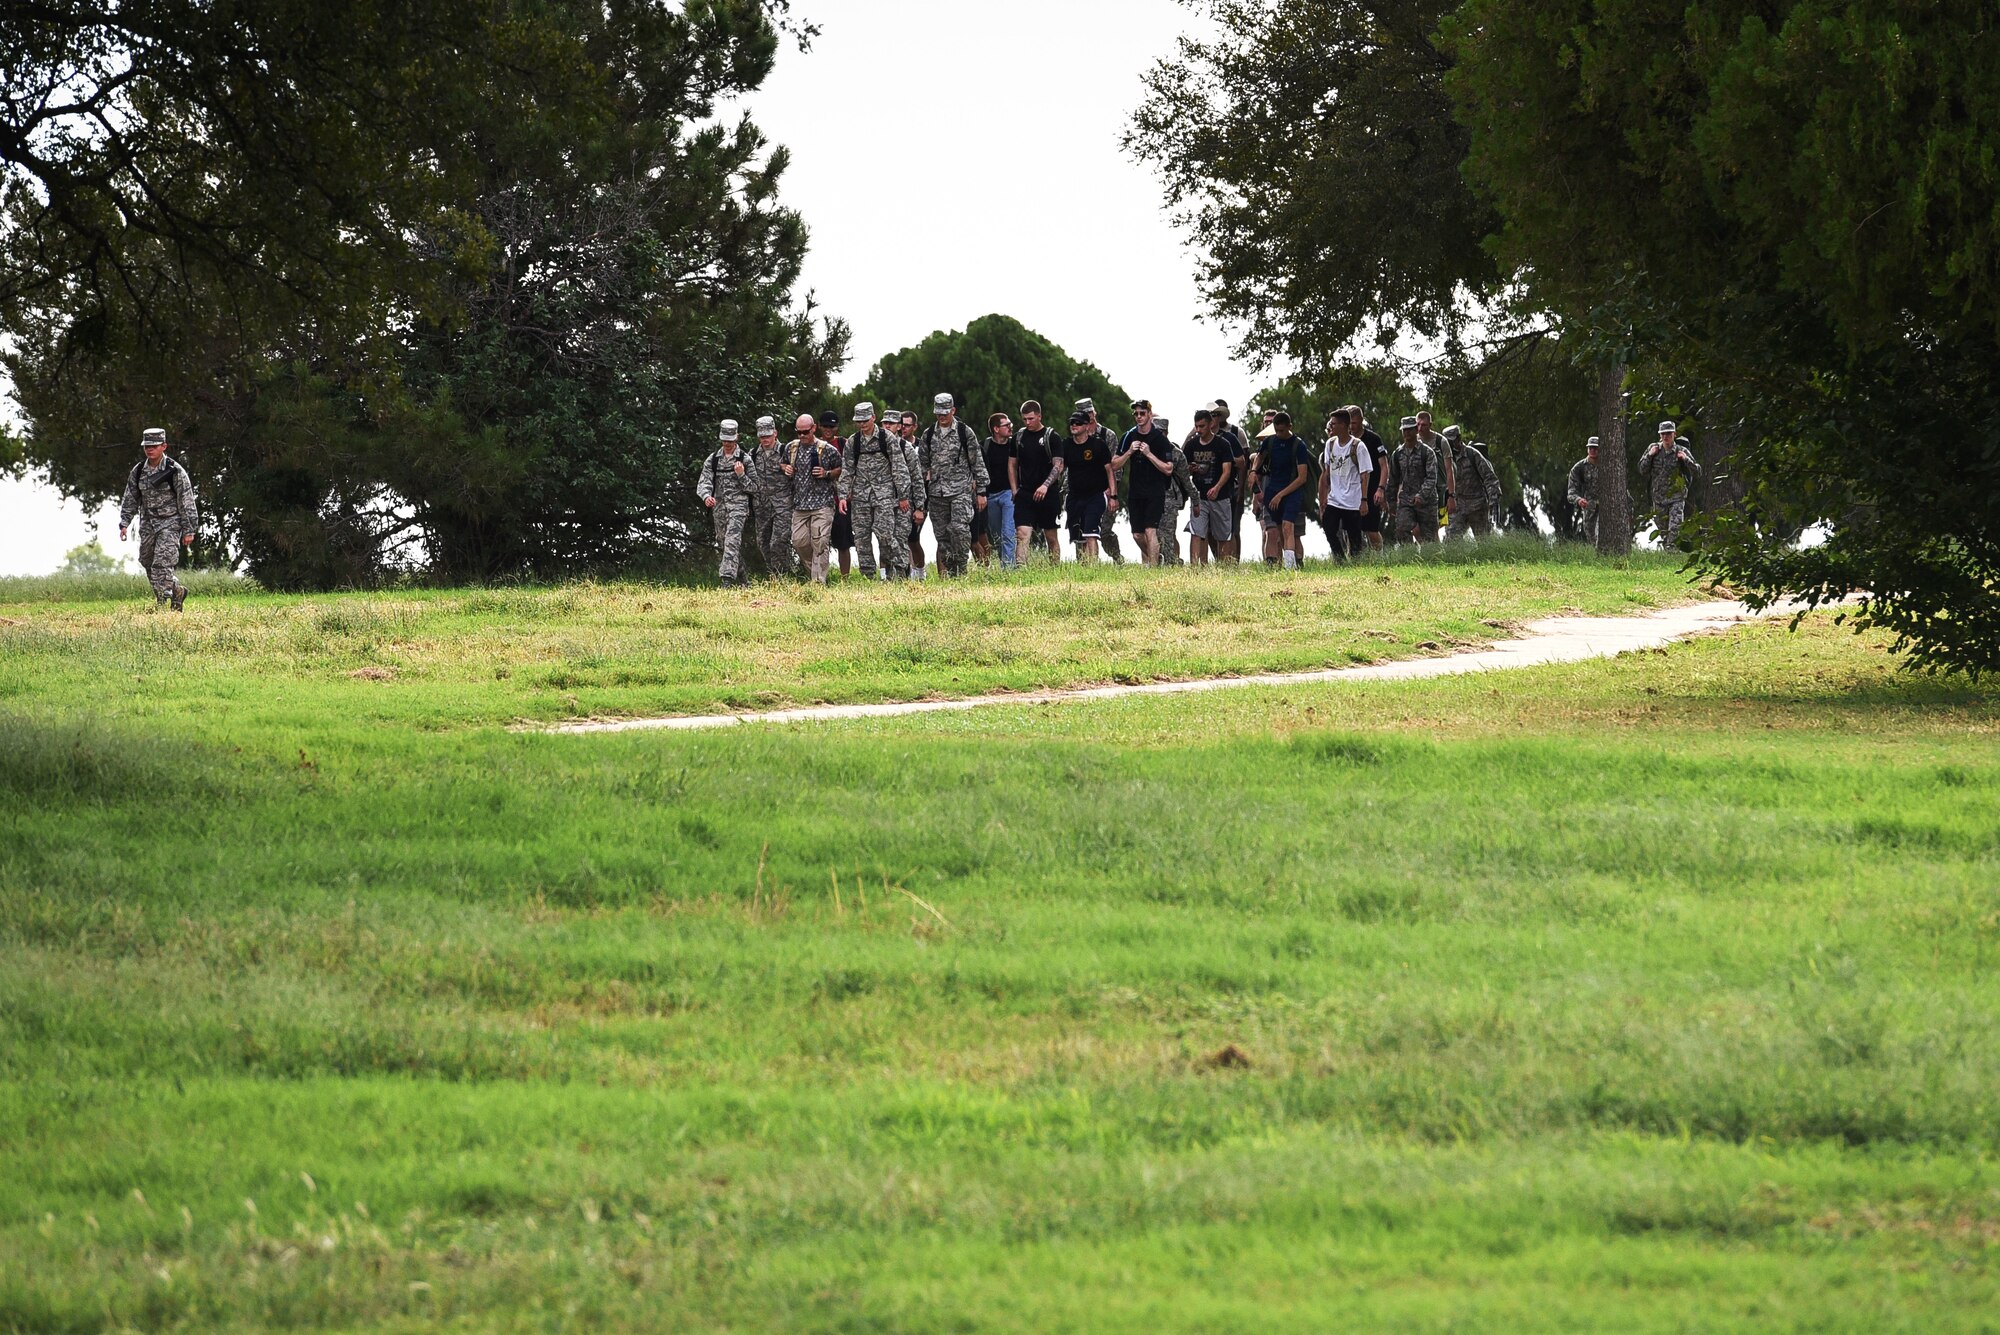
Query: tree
[90,559]
[603,273]
[1311,153]
[1787,211]
[1525,396]
[995,364]
[1380,390]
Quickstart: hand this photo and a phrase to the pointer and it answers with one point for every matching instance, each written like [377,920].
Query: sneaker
[180,596]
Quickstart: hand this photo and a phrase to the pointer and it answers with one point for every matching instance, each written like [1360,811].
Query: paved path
[1555,640]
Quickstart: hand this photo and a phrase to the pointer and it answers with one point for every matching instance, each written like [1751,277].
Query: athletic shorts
[1044,514]
[843,530]
[1086,514]
[1144,512]
[1213,521]
[1371,522]
[1287,511]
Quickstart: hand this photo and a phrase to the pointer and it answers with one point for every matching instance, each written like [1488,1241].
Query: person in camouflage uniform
[1476,505]
[771,500]
[1440,449]
[725,488]
[875,493]
[913,528]
[954,473]
[159,491]
[1670,470]
[1180,490]
[1583,491]
[1409,488]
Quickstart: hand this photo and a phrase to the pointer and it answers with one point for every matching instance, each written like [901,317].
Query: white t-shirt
[1345,465]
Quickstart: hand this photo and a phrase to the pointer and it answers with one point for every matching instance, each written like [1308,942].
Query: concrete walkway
[1555,640]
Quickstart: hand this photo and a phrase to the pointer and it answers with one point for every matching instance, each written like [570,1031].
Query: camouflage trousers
[877,522]
[1413,523]
[1667,520]
[731,518]
[1477,523]
[160,553]
[1170,529]
[771,523]
[951,518]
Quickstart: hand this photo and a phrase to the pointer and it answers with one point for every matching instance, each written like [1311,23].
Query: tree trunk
[1614,501]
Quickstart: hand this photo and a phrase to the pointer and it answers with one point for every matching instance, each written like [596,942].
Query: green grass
[1651,994]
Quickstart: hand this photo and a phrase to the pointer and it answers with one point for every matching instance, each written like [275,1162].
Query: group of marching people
[863,497]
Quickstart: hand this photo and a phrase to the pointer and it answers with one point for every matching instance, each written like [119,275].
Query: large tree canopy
[993,365]
[1792,211]
[595,268]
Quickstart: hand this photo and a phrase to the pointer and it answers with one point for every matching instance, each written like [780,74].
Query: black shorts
[1086,514]
[1145,511]
[1371,522]
[1045,513]
[843,530]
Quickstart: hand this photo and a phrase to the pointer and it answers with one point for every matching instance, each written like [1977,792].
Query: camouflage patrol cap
[153,435]
[1451,433]
[767,426]
[944,403]
[1085,406]
[864,412]
[1409,424]
[1668,426]
[729,428]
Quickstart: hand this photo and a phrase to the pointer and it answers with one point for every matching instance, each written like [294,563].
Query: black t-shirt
[1089,464]
[1142,480]
[1205,463]
[997,456]
[1378,459]
[1037,452]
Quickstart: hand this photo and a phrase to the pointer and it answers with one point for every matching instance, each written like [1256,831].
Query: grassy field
[1653,994]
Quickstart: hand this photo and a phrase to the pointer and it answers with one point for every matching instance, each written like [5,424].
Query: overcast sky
[952,159]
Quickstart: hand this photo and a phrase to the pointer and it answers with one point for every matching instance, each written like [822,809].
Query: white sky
[933,201]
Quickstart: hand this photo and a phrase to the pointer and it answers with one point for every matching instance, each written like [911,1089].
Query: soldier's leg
[733,524]
[867,527]
[160,552]
[774,535]
[898,536]
[1676,512]
[1170,530]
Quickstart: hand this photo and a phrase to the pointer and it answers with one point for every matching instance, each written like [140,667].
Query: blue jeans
[1000,524]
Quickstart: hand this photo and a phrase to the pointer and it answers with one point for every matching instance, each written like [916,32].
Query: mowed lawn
[1654,994]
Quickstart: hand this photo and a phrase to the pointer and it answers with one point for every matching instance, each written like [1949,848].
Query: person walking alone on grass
[1670,470]
[1410,493]
[724,487]
[1478,501]
[1036,473]
[998,528]
[1087,463]
[1212,467]
[1583,491]
[1344,466]
[1149,455]
[813,468]
[771,500]
[954,466]
[875,493]
[159,491]
[1282,473]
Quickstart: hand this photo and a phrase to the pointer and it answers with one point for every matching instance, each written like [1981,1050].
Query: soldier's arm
[704,487]
[1646,462]
[184,495]
[128,505]
[1491,476]
[1693,468]
[850,464]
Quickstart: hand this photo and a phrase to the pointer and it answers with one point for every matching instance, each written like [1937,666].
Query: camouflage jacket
[1583,481]
[1478,484]
[873,464]
[767,471]
[1413,476]
[1669,475]
[920,490]
[165,492]
[953,465]
[720,479]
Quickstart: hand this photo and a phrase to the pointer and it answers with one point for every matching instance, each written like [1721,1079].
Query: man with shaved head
[813,468]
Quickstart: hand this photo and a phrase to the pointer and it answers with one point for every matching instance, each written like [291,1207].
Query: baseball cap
[943,404]
[1079,418]
[767,426]
[1592,443]
[830,418]
[729,428]
[864,412]
[1145,405]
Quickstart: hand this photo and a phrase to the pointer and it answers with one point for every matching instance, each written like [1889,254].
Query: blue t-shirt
[1283,457]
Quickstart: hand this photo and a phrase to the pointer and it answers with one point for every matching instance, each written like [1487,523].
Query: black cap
[1143,404]
[829,418]
[1079,419]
